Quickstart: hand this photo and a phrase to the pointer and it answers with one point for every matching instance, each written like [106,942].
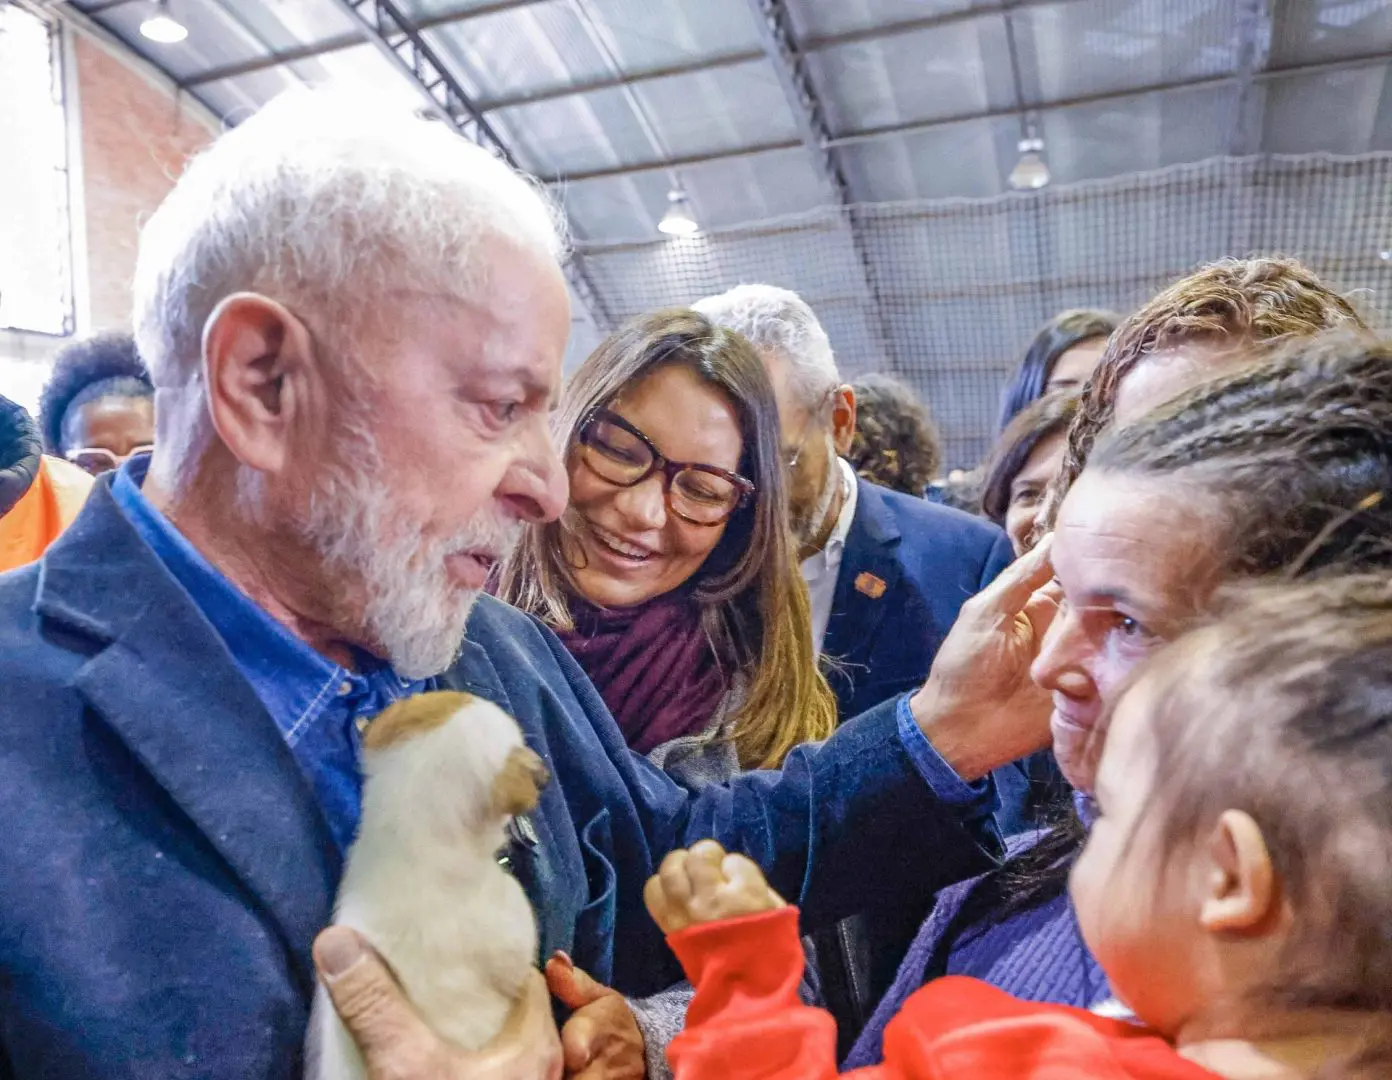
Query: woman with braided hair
[1280,468]
[1226,313]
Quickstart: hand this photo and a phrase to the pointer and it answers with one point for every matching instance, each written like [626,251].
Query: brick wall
[136,137]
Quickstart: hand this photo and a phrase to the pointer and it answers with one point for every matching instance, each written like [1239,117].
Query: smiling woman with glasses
[671,577]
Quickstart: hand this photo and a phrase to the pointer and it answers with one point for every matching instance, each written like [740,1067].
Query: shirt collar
[828,560]
[291,679]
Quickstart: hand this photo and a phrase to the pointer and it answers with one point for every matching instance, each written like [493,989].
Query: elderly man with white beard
[355,322]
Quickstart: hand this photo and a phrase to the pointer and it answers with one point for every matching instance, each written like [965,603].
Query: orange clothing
[43,512]
[746,1022]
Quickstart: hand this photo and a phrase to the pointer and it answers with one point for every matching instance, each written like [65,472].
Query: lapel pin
[870,585]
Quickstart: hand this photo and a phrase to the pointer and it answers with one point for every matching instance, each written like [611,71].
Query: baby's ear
[1242,893]
[517,787]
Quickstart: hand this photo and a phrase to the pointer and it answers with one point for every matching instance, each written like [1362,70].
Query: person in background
[671,577]
[1242,917]
[1226,313]
[98,409]
[39,495]
[895,444]
[1023,463]
[189,668]
[1061,357]
[887,573]
[1271,472]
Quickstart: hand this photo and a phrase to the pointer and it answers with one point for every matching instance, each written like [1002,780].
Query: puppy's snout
[517,789]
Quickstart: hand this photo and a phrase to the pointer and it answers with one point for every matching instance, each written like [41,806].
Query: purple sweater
[1037,955]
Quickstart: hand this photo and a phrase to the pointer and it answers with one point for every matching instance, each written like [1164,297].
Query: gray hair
[330,202]
[779,320]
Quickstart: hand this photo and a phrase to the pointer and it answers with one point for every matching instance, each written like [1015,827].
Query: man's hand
[706,885]
[979,706]
[601,1040]
[395,1042]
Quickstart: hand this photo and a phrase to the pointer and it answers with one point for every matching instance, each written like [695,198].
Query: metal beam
[402,45]
[775,26]
[1252,30]
[627,79]
[340,42]
[874,134]
[694,66]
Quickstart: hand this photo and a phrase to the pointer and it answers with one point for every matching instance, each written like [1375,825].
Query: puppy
[443,775]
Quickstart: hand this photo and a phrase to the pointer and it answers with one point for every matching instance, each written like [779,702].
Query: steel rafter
[776,33]
[402,44]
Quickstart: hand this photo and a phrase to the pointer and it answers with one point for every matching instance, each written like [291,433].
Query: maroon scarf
[652,664]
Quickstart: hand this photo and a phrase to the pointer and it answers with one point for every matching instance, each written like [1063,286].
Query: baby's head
[1242,857]
[454,754]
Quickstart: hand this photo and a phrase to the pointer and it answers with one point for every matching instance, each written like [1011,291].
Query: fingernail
[337,950]
[563,957]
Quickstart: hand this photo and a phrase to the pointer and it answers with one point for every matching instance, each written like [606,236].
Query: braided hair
[1258,303]
[1295,457]
[106,365]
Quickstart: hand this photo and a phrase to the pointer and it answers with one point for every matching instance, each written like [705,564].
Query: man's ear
[1241,892]
[255,358]
[843,419]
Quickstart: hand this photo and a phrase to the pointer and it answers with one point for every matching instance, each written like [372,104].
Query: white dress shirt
[821,570]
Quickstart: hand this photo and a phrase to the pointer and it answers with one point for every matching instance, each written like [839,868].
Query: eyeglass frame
[813,415]
[117,460]
[665,465]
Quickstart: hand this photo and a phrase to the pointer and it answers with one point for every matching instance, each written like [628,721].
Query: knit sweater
[1036,955]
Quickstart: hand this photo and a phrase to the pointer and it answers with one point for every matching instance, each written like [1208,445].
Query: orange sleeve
[746,1021]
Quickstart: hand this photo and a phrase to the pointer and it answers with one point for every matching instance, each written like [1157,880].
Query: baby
[1236,886]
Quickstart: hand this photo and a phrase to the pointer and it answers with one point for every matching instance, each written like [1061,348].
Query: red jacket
[746,1023]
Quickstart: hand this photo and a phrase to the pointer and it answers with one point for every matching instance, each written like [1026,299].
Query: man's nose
[537,484]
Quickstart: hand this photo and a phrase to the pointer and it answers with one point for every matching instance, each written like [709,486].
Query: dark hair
[1054,338]
[896,444]
[1258,302]
[1043,419]
[19,453]
[1295,454]
[106,365]
[1313,664]
[750,588]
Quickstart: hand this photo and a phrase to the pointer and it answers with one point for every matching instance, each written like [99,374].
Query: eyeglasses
[618,453]
[98,459]
[792,459]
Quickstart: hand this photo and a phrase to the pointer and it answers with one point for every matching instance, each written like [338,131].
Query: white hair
[779,320]
[329,201]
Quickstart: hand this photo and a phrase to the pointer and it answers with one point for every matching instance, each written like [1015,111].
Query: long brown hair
[1257,302]
[753,600]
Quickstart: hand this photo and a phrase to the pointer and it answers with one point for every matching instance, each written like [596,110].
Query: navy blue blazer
[916,562]
[165,865]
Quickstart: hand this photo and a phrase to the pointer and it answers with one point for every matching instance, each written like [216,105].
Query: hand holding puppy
[705,885]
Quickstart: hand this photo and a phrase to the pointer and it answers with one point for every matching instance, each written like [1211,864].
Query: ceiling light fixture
[678,221]
[162,27]
[1031,172]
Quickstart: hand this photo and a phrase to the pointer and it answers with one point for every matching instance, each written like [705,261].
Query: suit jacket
[166,866]
[916,563]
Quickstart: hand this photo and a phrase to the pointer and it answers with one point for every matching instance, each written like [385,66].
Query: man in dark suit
[886,573]
[355,324]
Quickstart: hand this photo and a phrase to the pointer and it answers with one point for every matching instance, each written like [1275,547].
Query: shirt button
[345,688]
[361,722]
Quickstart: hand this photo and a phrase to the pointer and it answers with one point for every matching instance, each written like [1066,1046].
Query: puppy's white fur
[422,881]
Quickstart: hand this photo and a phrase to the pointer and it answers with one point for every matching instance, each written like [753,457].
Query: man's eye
[505,412]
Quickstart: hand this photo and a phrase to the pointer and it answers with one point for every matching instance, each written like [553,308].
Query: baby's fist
[706,885]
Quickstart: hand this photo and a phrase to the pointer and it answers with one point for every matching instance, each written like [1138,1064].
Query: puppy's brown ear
[413,716]
[517,787]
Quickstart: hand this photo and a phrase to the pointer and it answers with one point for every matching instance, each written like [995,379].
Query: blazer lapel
[865,590]
[165,683]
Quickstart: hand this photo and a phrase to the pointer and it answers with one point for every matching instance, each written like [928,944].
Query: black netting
[947,295]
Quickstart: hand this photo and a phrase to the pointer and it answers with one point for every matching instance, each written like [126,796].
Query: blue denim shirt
[320,707]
